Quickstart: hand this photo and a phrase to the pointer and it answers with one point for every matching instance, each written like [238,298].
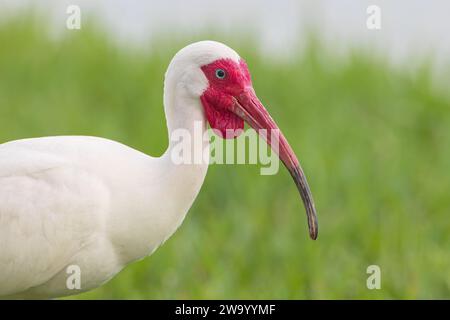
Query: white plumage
[98,204]
[93,202]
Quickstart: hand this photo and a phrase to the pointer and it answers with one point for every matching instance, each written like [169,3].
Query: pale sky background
[410,28]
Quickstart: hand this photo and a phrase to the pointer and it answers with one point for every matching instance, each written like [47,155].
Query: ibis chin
[248,107]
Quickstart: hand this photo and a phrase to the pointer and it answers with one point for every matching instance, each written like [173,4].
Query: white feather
[93,202]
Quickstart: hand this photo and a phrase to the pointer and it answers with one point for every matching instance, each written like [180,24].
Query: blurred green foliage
[373,139]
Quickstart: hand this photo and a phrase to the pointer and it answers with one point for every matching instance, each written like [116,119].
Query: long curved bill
[248,107]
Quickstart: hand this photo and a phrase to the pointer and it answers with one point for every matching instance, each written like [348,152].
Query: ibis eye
[220,73]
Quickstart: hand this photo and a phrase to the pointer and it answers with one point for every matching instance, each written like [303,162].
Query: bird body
[83,201]
[98,204]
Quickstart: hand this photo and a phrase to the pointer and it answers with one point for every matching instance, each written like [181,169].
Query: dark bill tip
[303,187]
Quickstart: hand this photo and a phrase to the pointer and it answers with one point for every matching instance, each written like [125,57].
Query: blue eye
[220,73]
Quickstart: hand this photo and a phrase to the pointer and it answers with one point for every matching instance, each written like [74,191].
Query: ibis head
[220,78]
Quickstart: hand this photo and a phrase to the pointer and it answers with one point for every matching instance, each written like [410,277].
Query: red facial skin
[217,99]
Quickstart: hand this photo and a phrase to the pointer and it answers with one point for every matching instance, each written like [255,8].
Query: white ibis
[99,205]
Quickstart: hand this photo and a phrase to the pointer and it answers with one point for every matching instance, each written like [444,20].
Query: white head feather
[184,77]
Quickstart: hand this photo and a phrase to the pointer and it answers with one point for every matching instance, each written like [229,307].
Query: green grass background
[373,139]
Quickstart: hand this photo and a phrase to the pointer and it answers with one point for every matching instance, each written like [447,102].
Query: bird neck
[173,184]
[182,180]
[174,180]
[187,130]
